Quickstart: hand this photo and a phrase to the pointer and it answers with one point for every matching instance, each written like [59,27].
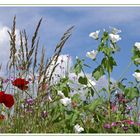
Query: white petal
[137,45]
[60,93]
[115,30]
[94,35]
[78,128]
[137,76]
[114,38]
[90,82]
[92,54]
[65,101]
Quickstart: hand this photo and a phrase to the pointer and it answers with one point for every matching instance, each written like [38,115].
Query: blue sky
[86,20]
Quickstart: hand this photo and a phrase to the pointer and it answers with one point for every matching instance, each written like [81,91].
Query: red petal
[1,96]
[8,100]
[20,83]
[23,87]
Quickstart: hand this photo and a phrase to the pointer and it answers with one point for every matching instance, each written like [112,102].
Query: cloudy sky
[86,19]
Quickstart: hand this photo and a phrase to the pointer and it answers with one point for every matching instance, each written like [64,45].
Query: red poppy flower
[6,99]
[21,83]
[1,96]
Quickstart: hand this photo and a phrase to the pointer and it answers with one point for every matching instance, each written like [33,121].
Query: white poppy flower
[95,35]
[78,128]
[65,101]
[137,60]
[114,38]
[115,30]
[137,76]
[137,45]
[92,54]
[60,93]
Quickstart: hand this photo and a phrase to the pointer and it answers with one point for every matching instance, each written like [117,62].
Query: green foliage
[104,37]
[78,66]
[98,72]
[136,56]
[108,63]
[107,51]
[94,104]
[91,91]
[76,98]
[66,90]
[131,92]
[63,86]
[82,80]
[121,86]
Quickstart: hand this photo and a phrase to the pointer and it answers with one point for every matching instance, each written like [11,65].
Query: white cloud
[5,46]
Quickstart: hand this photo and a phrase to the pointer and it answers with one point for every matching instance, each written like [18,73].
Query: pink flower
[114,108]
[129,122]
[107,126]
[114,124]
[125,128]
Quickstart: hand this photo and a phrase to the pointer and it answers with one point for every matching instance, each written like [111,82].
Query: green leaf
[107,51]
[66,91]
[74,118]
[121,86]
[137,70]
[64,80]
[56,118]
[82,80]
[100,47]
[95,103]
[136,56]
[112,63]
[78,66]
[76,97]
[91,91]
[98,72]
[131,92]
[104,63]
[108,63]
[104,37]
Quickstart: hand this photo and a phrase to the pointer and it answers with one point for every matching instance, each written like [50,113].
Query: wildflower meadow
[41,94]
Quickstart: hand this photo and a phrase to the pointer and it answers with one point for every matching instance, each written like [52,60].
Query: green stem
[137,110]
[1,85]
[91,84]
[109,97]
[28,94]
